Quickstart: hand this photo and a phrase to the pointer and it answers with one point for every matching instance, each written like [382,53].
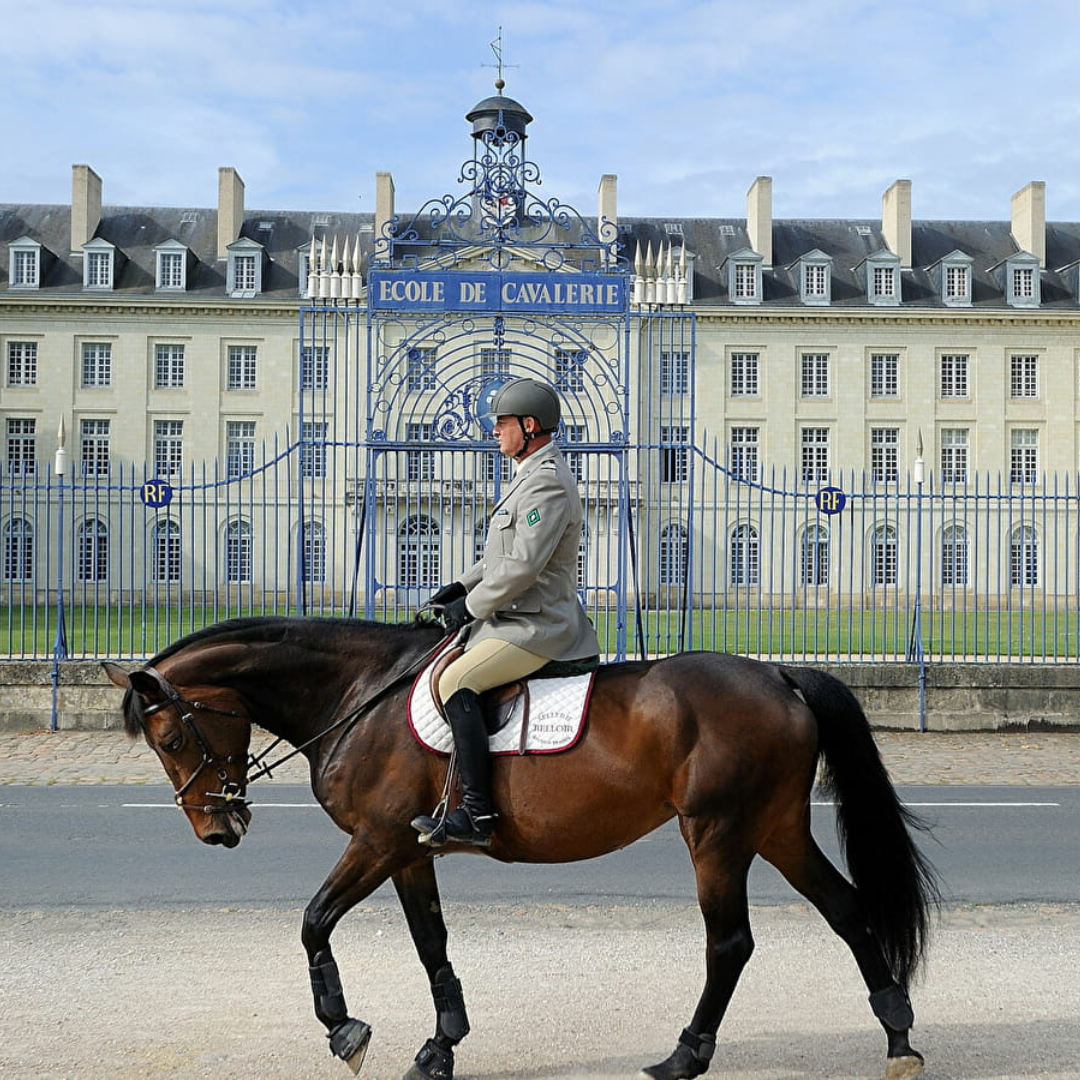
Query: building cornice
[891,317]
[150,308]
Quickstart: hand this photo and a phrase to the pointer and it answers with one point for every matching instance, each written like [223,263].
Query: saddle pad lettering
[556,717]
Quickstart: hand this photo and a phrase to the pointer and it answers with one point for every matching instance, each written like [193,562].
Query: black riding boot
[473,821]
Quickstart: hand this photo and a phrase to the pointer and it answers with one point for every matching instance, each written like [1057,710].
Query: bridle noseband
[232,793]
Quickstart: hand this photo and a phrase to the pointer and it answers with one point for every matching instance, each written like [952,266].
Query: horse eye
[173,744]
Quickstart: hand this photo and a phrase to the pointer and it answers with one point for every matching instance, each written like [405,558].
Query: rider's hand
[456,614]
[454,591]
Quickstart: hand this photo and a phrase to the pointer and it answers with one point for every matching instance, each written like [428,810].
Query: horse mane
[270,629]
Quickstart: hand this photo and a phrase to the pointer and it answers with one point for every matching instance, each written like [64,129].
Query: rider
[522,595]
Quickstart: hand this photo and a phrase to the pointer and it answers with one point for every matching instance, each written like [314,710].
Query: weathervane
[496,48]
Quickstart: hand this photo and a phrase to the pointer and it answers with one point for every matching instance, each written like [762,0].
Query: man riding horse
[520,598]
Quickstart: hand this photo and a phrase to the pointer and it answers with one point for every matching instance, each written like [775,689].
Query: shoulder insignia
[533,517]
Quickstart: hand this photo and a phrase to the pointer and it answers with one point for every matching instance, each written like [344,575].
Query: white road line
[996,805]
[260,806]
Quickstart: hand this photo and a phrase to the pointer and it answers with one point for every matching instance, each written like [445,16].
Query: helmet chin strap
[526,438]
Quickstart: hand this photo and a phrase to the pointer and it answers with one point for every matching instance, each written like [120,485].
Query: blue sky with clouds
[686,102]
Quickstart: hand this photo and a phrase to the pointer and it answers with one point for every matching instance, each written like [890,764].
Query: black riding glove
[455,615]
[454,591]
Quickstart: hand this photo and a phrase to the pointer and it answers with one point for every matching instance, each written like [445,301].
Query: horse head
[202,742]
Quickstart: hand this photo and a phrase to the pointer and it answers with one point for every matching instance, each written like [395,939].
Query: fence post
[60,652]
[916,652]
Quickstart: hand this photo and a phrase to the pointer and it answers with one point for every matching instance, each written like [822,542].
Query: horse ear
[117,675]
[142,682]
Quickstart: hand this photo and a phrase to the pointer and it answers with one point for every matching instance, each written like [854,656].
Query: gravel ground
[553,992]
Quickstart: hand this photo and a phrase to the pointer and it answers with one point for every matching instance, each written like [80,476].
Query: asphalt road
[127,847]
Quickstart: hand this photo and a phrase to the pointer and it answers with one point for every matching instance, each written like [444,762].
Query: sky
[685,102]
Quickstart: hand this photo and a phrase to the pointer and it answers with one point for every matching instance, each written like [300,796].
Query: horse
[730,746]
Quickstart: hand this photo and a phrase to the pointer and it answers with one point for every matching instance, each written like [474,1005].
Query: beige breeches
[491,663]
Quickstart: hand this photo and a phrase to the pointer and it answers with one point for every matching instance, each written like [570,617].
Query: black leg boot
[474,820]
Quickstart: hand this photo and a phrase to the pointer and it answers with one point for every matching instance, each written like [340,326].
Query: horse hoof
[432,1063]
[909,1065]
[349,1041]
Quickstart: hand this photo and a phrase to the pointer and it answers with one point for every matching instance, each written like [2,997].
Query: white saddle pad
[556,716]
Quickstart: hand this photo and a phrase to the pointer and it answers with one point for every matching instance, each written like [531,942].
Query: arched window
[954,555]
[814,556]
[18,550]
[418,554]
[92,554]
[166,551]
[314,540]
[237,552]
[1024,556]
[674,554]
[884,555]
[745,564]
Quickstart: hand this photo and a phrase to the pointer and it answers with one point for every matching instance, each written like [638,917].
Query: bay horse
[728,745]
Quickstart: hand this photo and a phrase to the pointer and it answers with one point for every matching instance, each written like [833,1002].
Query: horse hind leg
[721,882]
[808,870]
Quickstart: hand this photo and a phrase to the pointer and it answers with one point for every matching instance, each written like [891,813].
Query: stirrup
[460,826]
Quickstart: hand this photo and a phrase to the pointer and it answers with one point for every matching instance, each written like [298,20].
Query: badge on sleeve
[532,517]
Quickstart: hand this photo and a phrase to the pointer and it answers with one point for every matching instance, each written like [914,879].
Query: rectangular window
[674,459]
[575,460]
[22,360]
[94,447]
[313,449]
[954,455]
[1023,456]
[884,375]
[168,447]
[244,276]
[420,374]
[239,447]
[1024,376]
[170,270]
[745,281]
[21,447]
[884,455]
[99,270]
[168,367]
[494,362]
[744,374]
[315,367]
[743,453]
[885,282]
[954,375]
[814,454]
[956,282]
[96,364]
[816,281]
[420,464]
[242,367]
[1023,278]
[569,369]
[815,375]
[674,372]
[24,269]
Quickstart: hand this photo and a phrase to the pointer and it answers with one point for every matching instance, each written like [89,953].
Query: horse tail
[897,886]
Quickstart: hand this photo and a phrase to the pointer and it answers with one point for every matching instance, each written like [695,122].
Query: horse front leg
[355,876]
[418,892]
[721,884]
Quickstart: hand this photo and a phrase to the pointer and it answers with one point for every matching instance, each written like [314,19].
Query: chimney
[759,218]
[384,202]
[606,207]
[1029,219]
[230,216]
[896,221]
[85,205]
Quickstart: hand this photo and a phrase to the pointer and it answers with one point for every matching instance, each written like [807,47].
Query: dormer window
[815,278]
[25,263]
[170,262]
[1018,276]
[744,277]
[883,287]
[953,277]
[99,264]
[244,275]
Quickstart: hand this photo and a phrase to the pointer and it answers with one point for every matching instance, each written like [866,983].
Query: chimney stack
[230,218]
[607,208]
[85,205]
[759,218]
[1029,220]
[384,202]
[896,221]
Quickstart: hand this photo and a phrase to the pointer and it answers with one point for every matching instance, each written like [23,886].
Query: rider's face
[507,430]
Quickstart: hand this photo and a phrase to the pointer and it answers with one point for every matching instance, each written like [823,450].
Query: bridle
[232,792]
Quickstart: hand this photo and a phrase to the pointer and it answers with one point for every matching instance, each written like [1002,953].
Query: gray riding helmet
[528,397]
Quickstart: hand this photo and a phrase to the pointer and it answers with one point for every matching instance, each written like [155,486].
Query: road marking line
[994,805]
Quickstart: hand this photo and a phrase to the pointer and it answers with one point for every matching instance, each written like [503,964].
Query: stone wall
[959,697]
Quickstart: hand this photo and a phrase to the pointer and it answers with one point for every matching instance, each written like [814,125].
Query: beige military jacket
[524,589]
